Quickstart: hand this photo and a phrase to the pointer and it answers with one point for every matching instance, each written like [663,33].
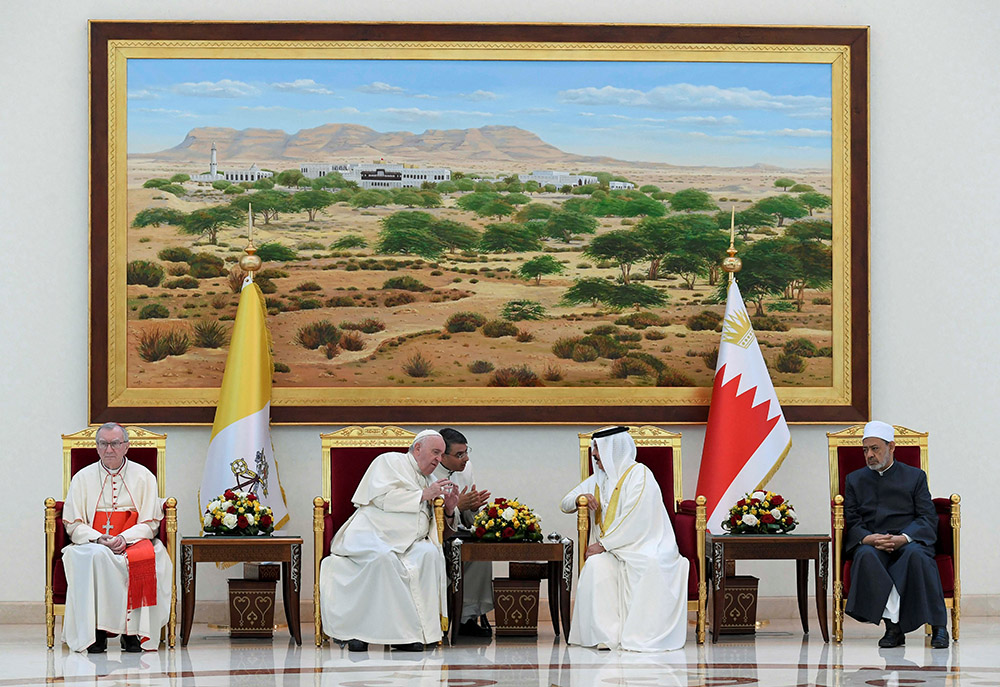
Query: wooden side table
[557,552]
[798,547]
[218,549]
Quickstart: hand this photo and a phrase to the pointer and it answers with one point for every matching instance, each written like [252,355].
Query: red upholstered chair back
[660,451]
[347,453]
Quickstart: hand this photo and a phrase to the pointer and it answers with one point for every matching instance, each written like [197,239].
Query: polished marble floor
[778,655]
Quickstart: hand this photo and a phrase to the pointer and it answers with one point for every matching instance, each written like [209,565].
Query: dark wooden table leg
[555,577]
[822,565]
[801,590]
[719,595]
[187,592]
[291,582]
[456,590]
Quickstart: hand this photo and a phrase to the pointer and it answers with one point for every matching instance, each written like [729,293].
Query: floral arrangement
[236,513]
[507,520]
[762,512]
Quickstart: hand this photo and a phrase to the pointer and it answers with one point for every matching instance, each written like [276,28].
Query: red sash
[140,556]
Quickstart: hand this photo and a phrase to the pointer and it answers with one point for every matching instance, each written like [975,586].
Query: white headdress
[880,430]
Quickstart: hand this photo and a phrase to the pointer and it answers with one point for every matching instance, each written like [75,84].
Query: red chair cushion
[80,458]
[347,467]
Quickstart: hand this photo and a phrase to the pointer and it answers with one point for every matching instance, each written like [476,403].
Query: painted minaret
[213,166]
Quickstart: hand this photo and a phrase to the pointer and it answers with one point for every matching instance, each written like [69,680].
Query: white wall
[935,331]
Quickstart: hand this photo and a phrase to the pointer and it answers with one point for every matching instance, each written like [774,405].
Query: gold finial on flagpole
[250,263]
[732,264]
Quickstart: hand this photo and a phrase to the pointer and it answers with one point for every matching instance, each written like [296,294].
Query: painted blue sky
[725,114]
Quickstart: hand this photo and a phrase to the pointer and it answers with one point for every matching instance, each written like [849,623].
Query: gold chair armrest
[701,525]
[582,528]
[956,531]
[50,551]
[170,514]
[838,568]
[439,519]
[319,506]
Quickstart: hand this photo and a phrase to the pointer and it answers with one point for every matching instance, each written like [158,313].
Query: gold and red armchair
[347,453]
[80,450]
[911,448]
[660,451]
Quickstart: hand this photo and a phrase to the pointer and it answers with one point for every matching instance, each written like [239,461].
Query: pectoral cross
[107,526]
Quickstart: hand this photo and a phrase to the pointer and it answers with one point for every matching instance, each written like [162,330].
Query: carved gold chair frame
[371,436]
[649,436]
[851,436]
[87,439]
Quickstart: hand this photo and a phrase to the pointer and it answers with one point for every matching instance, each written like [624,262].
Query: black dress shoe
[412,646]
[939,637]
[357,645]
[893,636]
[131,644]
[100,644]
[471,628]
[484,622]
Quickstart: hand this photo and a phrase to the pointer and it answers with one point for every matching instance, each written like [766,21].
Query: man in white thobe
[632,592]
[384,580]
[477,576]
[118,575]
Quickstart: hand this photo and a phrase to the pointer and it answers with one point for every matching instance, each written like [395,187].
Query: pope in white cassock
[477,576]
[118,575]
[632,592]
[384,580]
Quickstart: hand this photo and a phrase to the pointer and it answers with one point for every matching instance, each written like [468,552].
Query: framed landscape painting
[477,223]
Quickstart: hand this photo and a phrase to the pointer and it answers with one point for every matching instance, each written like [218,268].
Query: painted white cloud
[801,133]
[534,110]
[726,120]
[144,94]
[164,111]
[302,86]
[414,114]
[380,87]
[685,96]
[224,88]
[479,96]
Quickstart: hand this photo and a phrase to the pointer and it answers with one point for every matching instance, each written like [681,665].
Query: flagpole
[250,263]
[732,264]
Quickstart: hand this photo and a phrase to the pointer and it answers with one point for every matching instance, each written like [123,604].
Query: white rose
[759,495]
[229,520]
[509,514]
[249,517]
[212,506]
[776,514]
[225,505]
[750,520]
[790,513]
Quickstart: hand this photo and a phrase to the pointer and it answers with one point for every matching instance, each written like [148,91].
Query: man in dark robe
[890,530]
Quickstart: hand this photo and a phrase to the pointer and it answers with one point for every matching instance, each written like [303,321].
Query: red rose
[776,500]
[229,495]
[251,497]
[532,527]
[480,531]
[767,518]
[493,512]
[265,520]
[241,522]
[754,502]
[216,522]
[741,503]
[508,532]
[735,519]
[231,509]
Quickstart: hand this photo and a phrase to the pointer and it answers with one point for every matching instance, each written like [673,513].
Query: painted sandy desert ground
[478,282]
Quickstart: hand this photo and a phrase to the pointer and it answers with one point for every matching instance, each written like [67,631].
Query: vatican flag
[240,454]
[746,438]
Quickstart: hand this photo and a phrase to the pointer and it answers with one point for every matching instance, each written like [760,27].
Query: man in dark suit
[890,530]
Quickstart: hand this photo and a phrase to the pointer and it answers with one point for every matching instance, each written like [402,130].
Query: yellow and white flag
[240,454]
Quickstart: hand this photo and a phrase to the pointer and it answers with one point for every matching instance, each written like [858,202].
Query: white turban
[880,430]
[423,435]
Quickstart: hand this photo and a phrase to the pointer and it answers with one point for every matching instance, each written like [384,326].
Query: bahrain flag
[747,437]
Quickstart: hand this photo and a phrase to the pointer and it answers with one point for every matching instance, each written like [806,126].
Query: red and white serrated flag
[747,436]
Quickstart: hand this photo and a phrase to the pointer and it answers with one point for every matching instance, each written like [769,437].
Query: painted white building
[558,179]
[620,185]
[253,173]
[378,175]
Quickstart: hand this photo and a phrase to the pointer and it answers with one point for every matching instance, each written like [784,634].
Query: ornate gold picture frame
[484,332]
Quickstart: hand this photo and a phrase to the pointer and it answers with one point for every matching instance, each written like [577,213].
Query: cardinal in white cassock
[632,592]
[118,575]
[384,580]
